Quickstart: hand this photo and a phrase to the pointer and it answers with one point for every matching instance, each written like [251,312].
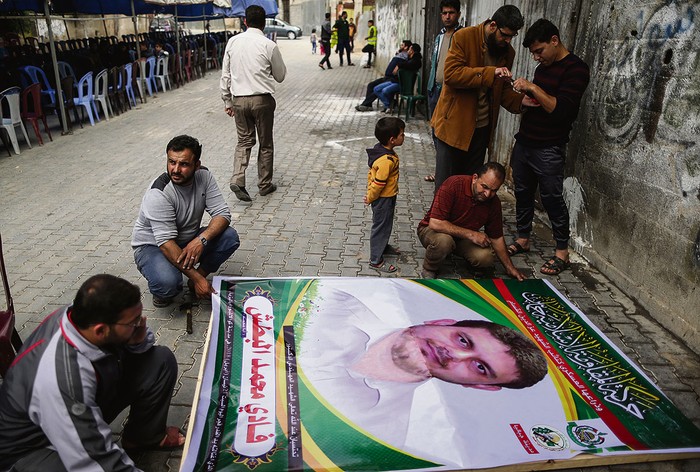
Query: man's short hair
[182,142]
[387,128]
[102,298]
[328,16]
[529,359]
[541,31]
[370,21]
[407,43]
[344,14]
[508,16]
[497,168]
[415,47]
[450,4]
[255,17]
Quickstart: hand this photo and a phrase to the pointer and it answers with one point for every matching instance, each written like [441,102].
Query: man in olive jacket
[477,82]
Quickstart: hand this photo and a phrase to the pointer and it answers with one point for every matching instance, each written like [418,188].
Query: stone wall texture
[633,163]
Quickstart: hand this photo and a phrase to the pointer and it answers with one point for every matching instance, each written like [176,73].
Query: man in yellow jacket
[477,83]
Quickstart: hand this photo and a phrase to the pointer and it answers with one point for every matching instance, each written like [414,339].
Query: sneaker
[161,302]
[363,108]
[241,193]
[388,111]
[329,67]
[366,66]
[341,64]
[428,274]
[351,64]
[321,66]
[268,190]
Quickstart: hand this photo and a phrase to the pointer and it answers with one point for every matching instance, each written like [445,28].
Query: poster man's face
[471,357]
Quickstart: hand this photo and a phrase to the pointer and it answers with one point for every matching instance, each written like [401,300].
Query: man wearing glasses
[73,376]
[476,83]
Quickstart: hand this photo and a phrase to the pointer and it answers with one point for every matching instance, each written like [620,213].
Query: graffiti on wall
[647,90]
[392,26]
[638,72]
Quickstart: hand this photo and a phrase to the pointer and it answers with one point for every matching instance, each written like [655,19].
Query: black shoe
[321,66]
[329,67]
[161,302]
[241,193]
[351,64]
[268,190]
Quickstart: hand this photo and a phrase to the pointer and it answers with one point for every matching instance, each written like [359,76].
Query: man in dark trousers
[343,28]
[83,365]
[326,41]
[538,156]
[370,97]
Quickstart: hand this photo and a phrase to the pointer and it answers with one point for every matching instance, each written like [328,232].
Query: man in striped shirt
[538,157]
[76,372]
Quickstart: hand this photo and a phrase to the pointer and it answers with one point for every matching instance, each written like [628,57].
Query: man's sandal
[390,250]
[174,439]
[382,266]
[555,265]
[516,248]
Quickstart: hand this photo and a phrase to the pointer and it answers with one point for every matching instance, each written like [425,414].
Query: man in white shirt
[252,64]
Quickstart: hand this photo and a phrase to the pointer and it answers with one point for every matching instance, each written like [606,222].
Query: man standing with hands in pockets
[252,65]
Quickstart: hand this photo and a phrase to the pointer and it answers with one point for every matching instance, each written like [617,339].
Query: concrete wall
[307,14]
[633,163]
[397,20]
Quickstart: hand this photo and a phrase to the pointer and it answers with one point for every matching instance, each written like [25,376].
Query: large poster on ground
[394,374]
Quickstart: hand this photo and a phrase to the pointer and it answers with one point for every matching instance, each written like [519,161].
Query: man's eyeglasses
[134,324]
[506,35]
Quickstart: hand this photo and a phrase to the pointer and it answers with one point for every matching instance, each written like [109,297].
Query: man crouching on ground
[167,238]
[76,372]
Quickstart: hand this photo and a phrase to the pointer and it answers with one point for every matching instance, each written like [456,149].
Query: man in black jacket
[386,91]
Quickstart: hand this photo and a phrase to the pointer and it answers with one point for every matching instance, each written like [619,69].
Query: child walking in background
[382,188]
[313,41]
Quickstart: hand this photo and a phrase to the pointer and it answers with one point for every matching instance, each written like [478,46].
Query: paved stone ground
[67,209]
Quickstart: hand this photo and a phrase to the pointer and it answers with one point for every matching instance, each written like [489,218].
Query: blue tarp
[107,7]
[238,8]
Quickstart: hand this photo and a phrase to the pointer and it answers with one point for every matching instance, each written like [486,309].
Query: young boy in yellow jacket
[382,188]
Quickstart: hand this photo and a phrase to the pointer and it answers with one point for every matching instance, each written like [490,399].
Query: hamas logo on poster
[584,435]
[549,438]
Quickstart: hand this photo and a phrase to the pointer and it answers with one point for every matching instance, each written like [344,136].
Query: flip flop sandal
[390,250]
[170,442]
[429,178]
[516,248]
[555,265]
[382,266]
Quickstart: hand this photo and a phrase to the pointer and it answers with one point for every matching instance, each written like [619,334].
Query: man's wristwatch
[204,240]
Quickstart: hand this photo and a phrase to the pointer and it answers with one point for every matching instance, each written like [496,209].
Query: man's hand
[503,72]
[140,332]
[530,102]
[203,288]
[190,255]
[515,273]
[522,85]
[229,111]
[364,200]
[480,239]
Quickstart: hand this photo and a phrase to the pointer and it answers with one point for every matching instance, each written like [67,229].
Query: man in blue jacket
[370,97]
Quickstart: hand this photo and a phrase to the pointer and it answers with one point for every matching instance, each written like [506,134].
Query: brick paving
[67,210]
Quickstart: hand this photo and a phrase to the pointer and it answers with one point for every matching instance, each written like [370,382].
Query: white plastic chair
[101,91]
[9,123]
[129,88]
[162,73]
[85,97]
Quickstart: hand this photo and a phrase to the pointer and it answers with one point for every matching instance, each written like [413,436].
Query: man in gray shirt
[167,238]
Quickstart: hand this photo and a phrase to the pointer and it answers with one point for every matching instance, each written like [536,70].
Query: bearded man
[477,82]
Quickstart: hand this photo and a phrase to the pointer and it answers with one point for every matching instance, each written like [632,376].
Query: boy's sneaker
[161,302]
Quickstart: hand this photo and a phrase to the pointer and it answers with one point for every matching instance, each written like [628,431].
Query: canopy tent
[101,7]
[237,9]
